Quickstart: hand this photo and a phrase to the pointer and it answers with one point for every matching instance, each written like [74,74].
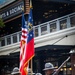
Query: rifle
[56,72]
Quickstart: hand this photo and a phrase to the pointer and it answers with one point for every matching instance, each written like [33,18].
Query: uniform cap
[29,71]
[48,66]
[15,71]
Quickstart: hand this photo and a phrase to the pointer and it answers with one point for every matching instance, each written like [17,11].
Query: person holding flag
[27,43]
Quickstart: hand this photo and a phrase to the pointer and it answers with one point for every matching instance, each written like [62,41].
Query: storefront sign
[12,11]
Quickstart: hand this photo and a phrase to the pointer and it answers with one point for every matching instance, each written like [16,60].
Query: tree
[1,23]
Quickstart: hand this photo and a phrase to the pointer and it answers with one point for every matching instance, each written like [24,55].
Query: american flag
[23,46]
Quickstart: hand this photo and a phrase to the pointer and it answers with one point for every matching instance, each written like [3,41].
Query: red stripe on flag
[24,36]
[24,31]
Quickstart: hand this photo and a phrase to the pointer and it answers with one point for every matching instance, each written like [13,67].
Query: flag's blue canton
[30,26]
[23,21]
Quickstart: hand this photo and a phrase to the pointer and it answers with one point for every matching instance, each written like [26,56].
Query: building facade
[54,34]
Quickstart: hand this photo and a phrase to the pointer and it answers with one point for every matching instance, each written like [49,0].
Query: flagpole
[31,59]
[30,4]
[31,67]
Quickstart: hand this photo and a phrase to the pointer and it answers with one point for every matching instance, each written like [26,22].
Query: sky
[5,2]
[2,1]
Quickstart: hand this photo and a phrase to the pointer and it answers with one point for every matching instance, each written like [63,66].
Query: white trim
[6,3]
[55,35]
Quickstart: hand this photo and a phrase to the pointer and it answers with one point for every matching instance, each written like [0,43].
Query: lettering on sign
[12,11]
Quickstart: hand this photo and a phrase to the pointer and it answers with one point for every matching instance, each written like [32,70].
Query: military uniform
[49,69]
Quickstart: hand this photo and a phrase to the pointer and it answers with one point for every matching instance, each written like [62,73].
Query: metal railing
[42,29]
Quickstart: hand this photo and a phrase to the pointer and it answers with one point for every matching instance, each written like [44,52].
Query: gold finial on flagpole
[22,8]
[30,4]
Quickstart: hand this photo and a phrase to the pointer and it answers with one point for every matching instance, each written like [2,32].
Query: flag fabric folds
[30,39]
[27,43]
[23,42]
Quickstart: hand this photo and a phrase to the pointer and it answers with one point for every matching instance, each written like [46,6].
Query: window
[3,42]
[63,24]
[20,36]
[72,19]
[14,38]
[36,31]
[43,29]
[53,27]
[8,40]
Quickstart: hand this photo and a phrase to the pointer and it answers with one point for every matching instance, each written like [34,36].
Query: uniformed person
[30,71]
[49,69]
[15,71]
[38,74]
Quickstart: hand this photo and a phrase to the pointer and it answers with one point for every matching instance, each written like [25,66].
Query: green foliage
[1,23]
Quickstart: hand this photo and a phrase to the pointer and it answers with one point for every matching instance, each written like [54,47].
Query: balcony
[55,25]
